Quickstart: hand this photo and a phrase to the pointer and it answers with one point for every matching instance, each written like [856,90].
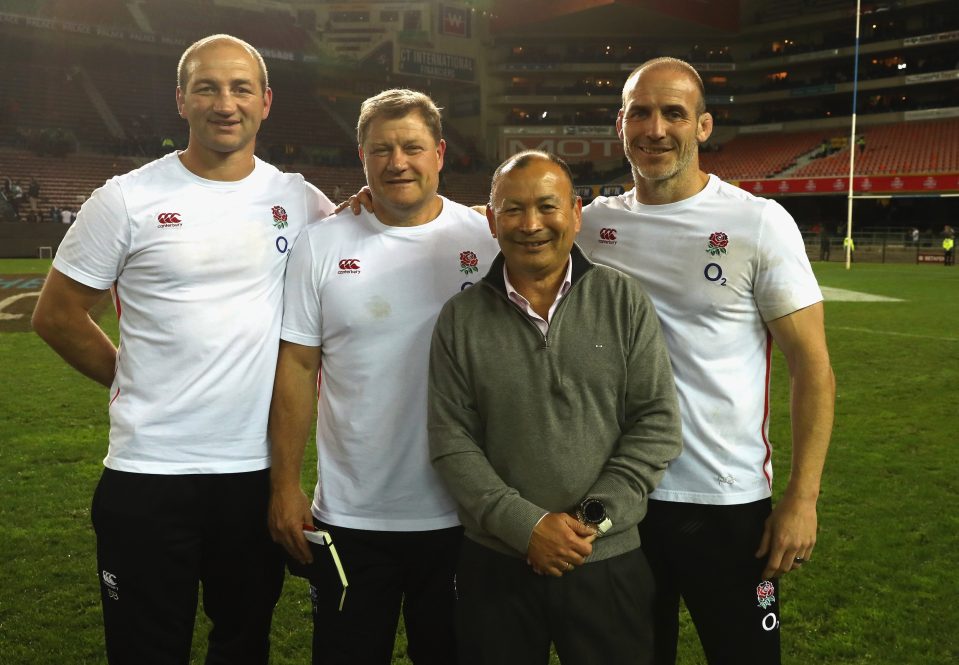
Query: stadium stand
[65,182]
[192,20]
[466,188]
[900,149]
[778,81]
[298,118]
[47,94]
[148,115]
[113,13]
[759,155]
[904,149]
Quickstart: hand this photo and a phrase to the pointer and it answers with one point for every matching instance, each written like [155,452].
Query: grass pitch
[881,587]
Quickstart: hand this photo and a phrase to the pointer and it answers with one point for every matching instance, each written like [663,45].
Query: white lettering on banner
[40,22]
[567,148]
[110,32]
[931,39]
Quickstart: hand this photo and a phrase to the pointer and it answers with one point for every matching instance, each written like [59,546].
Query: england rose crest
[766,594]
[468,262]
[279,217]
[717,243]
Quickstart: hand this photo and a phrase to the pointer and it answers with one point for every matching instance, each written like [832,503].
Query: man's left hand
[362,199]
[789,536]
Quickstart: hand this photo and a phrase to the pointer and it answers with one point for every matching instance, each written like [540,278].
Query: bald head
[187,60]
[682,69]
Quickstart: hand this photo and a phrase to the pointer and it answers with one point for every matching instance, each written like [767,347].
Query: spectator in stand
[66,216]
[55,214]
[823,149]
[13,193]
[33,197]
[6,210]
[18,195]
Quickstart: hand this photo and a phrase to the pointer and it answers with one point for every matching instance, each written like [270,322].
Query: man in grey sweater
[552,415]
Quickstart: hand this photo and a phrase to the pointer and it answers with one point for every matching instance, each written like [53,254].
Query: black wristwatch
[592,512]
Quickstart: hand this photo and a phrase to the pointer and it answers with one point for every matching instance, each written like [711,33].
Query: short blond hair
[397,103]
[191,50]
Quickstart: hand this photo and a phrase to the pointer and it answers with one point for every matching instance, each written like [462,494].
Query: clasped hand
[559,543]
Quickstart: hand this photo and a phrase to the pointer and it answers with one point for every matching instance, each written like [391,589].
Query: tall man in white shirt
[193,248]
[361,299]
[729,276]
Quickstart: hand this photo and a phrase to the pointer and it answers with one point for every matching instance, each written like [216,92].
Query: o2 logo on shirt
[714,273]
[282,244]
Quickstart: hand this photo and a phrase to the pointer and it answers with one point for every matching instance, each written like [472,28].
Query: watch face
[594,511]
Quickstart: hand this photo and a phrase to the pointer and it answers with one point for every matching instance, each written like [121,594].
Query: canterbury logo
[349,264]
[608,235]
[169,218]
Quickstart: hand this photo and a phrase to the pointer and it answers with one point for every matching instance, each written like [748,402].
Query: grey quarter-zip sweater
[522,423]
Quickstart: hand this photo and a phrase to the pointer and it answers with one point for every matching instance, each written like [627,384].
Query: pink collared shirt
[524,306]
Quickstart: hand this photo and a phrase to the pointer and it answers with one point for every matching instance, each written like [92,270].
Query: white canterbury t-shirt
[717,266]
[369,295]
[196,267]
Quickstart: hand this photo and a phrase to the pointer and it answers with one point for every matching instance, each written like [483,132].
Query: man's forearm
[291,417]
[61,318]
[802,338]
[812,406]
[287,446]
[480,492]
[88,350]
[289,432]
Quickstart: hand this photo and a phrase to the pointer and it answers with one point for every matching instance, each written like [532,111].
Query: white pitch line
[890,332]
[832,294]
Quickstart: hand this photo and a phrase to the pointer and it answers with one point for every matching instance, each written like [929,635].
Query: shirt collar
[520,300]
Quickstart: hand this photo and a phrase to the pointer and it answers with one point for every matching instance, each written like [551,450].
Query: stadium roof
[596,18]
